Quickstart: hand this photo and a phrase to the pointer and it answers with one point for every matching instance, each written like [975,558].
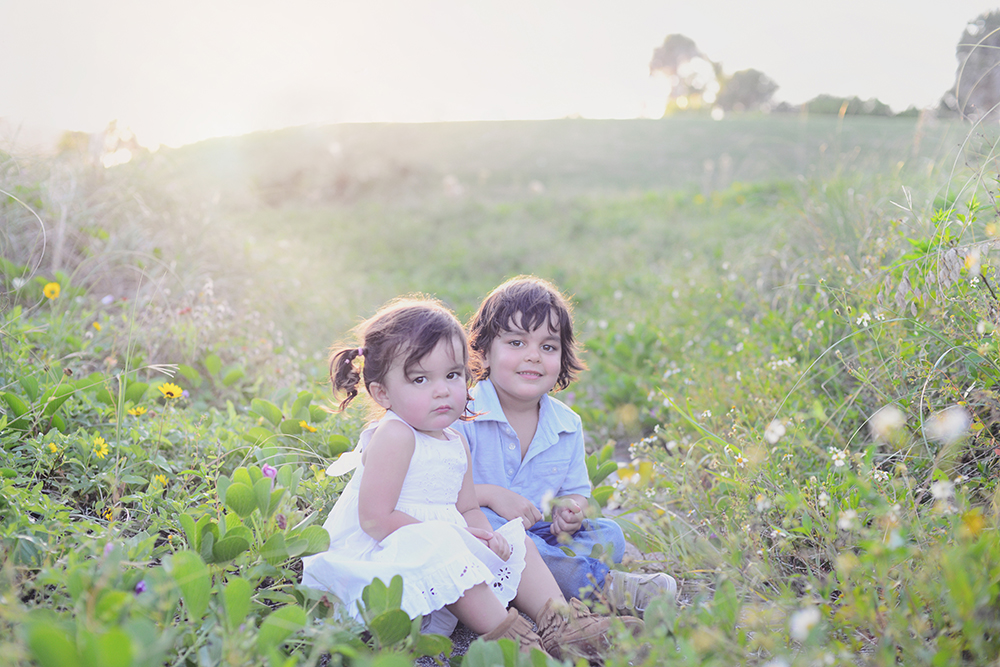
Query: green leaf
[221,486]
[236,597]
[432,645]
[207,544]
[213,364]
[484,654]
[229,548]
[242,475]
[8,473]
[317,414]
[192,577]
[233,375]
[274,551]
[59,423]
[726,604]
[602,494]
[111,649]
[190,374]
[241,499]
[17,406]
[302,402]
[134,391]
[338,444]
[279,625]
[267,410]
[390,627]
[379,598]
[262,491]
[317,538]
[290,427]
[192,535]
[50,646]
[296,547]
[602,473]
[276,497]
[30,386]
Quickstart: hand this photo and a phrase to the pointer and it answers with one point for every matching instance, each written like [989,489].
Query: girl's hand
[511,505]
[567,517]
[499,545]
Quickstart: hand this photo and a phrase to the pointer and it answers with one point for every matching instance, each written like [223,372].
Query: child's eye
[420,379]
[550,348]
[454,375]
[516,343]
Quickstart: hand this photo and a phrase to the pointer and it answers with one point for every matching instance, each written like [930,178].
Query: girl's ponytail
[344,375]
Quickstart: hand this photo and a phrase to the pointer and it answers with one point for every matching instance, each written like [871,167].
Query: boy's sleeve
[577,479]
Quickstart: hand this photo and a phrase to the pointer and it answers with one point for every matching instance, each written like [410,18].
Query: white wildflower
[886,421]
[864,320]
[706,414]
[802,622]
[763,502]
[839,456]
[774,431]
[823,499]
[942,490]
[547,499]
[948,425]
[846,520]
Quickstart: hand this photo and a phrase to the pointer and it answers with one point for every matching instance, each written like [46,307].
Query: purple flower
[282,521]
[108,548]
[140,587]
[269,471]
[185,394]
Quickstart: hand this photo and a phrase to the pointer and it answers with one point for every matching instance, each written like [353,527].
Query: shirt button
[506,429]
[511,446]
[555,469]
[510,471]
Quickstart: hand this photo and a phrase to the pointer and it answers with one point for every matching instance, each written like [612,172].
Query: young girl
[411,509]
[527,446]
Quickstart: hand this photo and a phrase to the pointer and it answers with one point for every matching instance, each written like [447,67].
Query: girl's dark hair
[533,302]
[410,327]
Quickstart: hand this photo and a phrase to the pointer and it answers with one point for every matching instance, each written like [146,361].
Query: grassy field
[788,322]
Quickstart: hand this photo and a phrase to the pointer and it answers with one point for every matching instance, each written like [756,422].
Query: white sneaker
[632,591]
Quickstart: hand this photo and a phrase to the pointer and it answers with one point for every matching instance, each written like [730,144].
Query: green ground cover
[788,322]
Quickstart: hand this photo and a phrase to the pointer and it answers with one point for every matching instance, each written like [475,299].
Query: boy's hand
[567,517]
[511,505]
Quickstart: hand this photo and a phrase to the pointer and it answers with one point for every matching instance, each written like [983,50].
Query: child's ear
[379,395]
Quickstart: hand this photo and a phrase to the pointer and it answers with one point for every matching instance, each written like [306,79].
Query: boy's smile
[524,365]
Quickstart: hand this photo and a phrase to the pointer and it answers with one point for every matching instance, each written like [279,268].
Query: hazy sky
[177,71]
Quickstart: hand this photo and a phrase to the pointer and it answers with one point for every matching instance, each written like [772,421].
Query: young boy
[527,447]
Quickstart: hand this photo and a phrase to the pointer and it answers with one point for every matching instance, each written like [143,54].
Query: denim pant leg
[581,570]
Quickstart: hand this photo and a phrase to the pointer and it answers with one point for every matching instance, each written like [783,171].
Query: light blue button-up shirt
[555,462]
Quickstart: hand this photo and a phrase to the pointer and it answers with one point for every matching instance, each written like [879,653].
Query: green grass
[742,326]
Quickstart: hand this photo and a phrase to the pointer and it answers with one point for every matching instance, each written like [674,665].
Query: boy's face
[524,365]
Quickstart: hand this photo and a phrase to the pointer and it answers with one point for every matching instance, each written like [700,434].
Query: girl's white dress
[438,558]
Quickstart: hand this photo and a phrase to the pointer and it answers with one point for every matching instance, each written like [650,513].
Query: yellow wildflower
[307,427]
[108,514]
[52,447]
[51,291]
[137,411]
[170,390]
[97,325]
[100,447]
[160,479]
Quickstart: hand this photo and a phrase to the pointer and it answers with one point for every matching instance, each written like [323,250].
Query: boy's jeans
[581,571]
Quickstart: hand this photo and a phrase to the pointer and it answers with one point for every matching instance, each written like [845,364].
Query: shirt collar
[553,416]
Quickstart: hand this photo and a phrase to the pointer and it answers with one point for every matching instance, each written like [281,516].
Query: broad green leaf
[432,645]
[242,475]
[104,396]
[236,597]
[192,577]
[190,374]
[602,473]
[276,496]
[317,538]
[190,532]
[134,391]
[207,544]
[274,550]
[602,494]
[262,491]
[30,386]
[110,649]
[15,403]
[302,402]
[726,605]
[241,499]
[221,486]
[241,531]
[229,547]
[317,414]
[213,364]
[8,473]
[338,444]
[390,627]
[379,598]
[59,423]
[290,427]
[233,375]
[279,625]
[296,547]
[267,410]
[50,646]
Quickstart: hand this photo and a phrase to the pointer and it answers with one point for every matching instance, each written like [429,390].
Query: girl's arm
[386,460]
[479,525]
[508,504]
